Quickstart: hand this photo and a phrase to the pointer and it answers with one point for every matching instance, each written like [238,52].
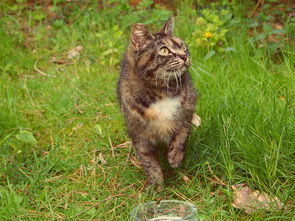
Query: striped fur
[156,96]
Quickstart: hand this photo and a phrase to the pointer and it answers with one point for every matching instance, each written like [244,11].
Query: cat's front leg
[176,147]
[146,153]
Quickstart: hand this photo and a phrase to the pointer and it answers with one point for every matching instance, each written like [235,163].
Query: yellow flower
[208,34]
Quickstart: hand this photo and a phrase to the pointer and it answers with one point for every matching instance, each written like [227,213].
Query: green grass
[246,102]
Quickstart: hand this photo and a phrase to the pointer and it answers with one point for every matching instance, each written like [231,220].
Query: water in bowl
[166,218]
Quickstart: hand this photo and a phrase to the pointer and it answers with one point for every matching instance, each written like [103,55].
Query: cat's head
[159,55]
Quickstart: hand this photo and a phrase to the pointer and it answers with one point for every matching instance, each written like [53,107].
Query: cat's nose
[183,57]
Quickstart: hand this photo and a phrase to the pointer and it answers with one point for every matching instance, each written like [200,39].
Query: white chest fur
[166,109]
[163,114]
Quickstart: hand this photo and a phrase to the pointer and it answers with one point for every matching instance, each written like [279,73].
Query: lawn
[64,151]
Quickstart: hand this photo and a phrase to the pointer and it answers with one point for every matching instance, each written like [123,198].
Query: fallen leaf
[70,120]
[77,127]
[186,179]
[75,52]
[26,137]
[83,193]
[98,129]
[92,161]
[282,98]
[196,120]
[77,107]
[61,61]
[126,144]
[278,25]
[101,159]
[44,153]
[246,199]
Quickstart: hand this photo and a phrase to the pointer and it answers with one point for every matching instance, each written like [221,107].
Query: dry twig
[96,204]
[185,198]
[112,147]
[37,69]
[259,3]
[219,181]
[128,157]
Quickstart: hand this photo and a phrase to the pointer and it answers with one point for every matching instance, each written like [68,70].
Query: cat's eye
[183,48]
[164,51]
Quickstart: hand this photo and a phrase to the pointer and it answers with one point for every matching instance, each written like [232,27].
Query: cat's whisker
[179,75]
[164,78]
[199,68]
[168,80]
[146,70]
[165,81]
[175,75]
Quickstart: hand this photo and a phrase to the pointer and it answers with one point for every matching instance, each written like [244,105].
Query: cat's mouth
[178,69]
[174,69]
[178,66]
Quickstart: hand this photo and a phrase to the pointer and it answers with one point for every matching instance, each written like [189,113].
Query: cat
[156,96]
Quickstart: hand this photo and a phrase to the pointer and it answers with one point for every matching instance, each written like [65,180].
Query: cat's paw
[155,185]
[175,158]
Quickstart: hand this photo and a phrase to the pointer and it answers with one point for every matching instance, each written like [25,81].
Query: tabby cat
[156,96]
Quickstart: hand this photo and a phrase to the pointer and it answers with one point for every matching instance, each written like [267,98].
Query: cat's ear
[140,36]
[168,27]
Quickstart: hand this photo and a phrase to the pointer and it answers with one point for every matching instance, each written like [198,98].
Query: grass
[246,102]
